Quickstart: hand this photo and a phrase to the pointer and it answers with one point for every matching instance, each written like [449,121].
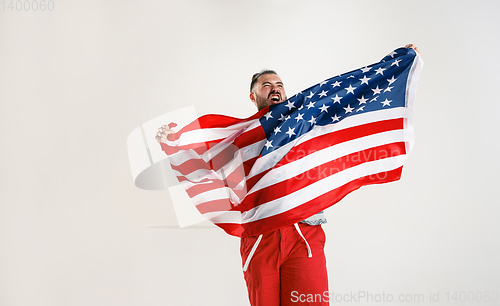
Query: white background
[75,81]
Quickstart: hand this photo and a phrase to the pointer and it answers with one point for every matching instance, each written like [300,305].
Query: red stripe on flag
[200,148]
[249,137]
[247,165]
[254,179]
[214,121]
[221,205]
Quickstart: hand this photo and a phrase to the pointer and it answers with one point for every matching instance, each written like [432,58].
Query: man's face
[268,90]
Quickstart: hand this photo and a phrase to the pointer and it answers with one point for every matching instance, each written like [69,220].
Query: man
[288,263]
[287,266]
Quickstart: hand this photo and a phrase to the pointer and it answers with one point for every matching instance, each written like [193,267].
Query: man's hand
[162,134]
[413,47]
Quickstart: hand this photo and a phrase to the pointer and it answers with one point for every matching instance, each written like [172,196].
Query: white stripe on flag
[224,217]
[211,195]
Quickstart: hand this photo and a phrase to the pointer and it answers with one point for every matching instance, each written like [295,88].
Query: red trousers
[280,271]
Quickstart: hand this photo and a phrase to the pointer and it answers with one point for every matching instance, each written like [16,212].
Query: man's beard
[265,102]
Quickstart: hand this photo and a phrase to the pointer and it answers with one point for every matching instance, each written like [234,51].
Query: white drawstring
[309,252]
[256,244]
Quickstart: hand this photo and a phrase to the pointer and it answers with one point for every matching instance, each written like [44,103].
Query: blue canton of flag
[372,88]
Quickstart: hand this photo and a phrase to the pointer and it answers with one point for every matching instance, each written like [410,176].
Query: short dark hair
[258,74]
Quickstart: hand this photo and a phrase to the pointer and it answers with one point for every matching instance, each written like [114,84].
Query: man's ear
[252,97]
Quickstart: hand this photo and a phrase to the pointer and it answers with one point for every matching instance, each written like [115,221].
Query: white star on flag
[364,80]
[323,93]
[269,144]
[366,69]
[348,109]
[386,102]
[362,100]
[380,70]
[311,104]
[391,80]
[337,83]
[396,62]
[324,108]
[376,91]
[336,99]
[392,54]
[350,89]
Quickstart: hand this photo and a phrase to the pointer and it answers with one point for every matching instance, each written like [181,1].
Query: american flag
[292,160]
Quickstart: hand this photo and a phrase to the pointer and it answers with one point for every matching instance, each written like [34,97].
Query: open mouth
[275,97]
